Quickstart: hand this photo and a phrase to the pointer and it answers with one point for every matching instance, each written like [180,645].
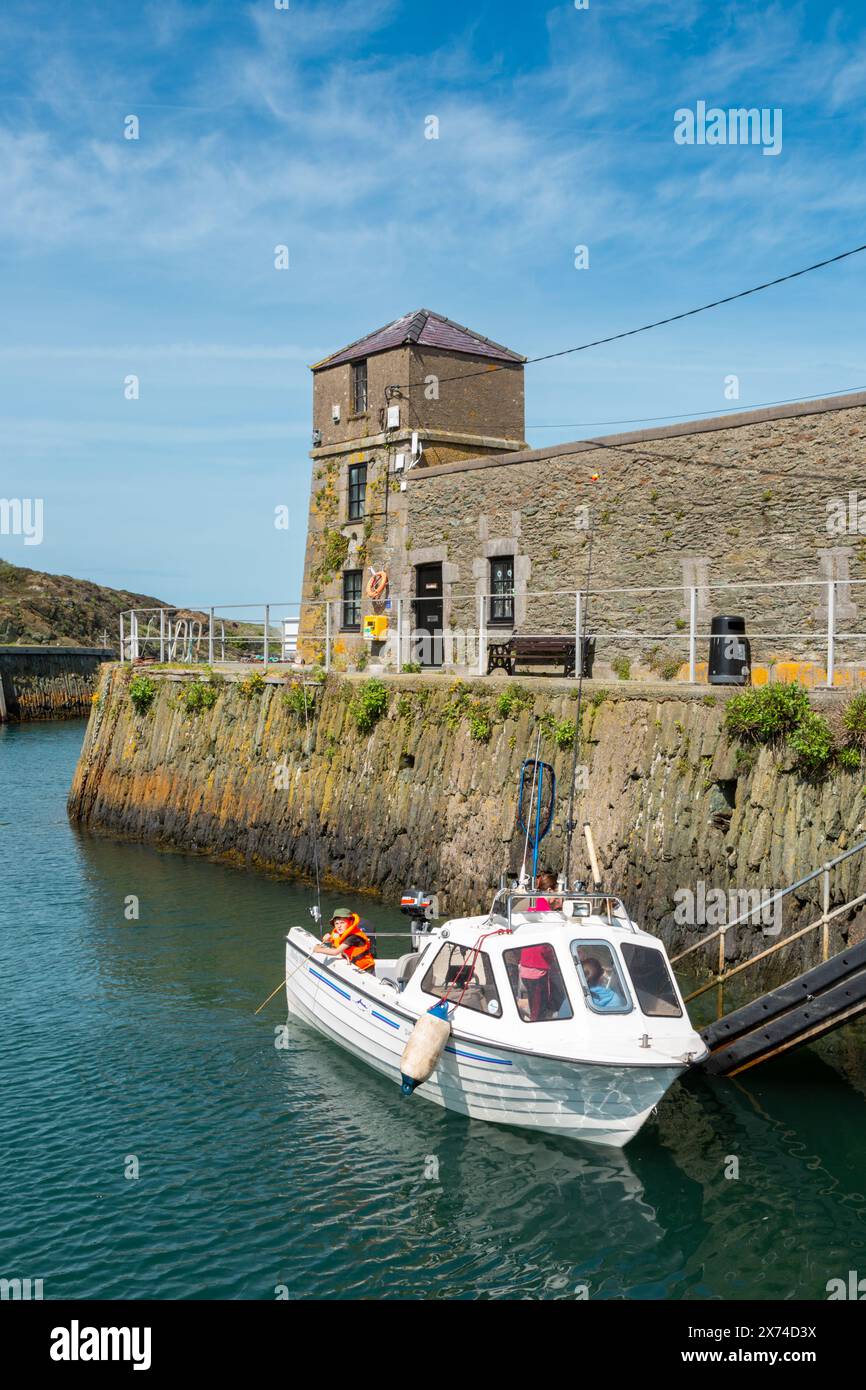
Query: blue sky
[261,126]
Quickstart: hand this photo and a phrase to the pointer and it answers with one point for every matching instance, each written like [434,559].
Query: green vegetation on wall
[368,704]
[781,716]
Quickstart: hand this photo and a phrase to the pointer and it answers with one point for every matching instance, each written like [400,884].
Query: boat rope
[578,727]
[280,986]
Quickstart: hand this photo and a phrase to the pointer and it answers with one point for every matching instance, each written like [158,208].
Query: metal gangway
[820,999]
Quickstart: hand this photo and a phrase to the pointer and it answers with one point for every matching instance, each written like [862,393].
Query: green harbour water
[300,1170]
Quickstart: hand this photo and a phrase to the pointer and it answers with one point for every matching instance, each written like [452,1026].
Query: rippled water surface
[261,1168]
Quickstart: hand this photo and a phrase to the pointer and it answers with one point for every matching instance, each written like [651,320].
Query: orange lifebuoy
[377,583]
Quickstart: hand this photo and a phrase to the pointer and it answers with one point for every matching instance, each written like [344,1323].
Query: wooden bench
[537,651]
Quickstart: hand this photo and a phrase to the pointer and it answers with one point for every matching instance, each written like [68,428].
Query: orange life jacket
[359,953]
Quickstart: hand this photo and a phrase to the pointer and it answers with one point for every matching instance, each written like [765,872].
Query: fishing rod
[578,728]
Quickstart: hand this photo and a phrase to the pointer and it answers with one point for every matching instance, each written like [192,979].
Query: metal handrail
[823,920]
[475,639]
[567,895]
[722,975]
[766,902]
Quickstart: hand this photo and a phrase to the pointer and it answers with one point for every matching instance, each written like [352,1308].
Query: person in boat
[348,939]
[547,883]
[603,996]
[534,973]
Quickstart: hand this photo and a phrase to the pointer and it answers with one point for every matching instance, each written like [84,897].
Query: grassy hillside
[58,610]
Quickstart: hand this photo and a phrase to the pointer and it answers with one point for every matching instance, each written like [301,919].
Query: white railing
[273,632]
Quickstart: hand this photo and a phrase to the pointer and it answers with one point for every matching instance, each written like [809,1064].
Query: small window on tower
[351,601]
[357,491]
[359,388]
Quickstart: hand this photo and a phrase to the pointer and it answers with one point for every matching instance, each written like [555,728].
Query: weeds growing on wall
[368,704]
[198,695]
[251,685]
[478,719]
[780,715]
[456,707]
[854,720]
[513,701]
[768,714]
[300,700]
[561,731]
[142,693]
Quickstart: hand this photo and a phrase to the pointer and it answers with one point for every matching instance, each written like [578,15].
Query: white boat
[567,1021]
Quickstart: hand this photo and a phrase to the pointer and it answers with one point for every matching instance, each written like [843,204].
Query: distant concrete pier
[40,682]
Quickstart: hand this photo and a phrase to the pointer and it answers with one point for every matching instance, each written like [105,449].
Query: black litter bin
[730,652]
[587,659]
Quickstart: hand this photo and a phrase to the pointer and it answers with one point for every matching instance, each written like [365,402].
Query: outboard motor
[422,907]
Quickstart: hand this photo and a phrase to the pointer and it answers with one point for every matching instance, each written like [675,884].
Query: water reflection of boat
[567,1021]
[511,1212]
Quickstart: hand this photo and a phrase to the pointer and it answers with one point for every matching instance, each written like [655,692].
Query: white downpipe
[482,635]
[831,632]
[578,650]
[327,634]
[693,634]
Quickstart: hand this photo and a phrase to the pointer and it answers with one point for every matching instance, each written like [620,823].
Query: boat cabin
[576,958]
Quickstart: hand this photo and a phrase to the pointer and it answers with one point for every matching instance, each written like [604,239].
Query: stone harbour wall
[420,799]
[48,682]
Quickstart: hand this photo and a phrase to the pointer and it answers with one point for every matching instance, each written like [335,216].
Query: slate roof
[426,329]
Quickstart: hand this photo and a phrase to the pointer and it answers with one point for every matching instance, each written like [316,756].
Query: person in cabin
[535,965]
[603,996]
[348,939]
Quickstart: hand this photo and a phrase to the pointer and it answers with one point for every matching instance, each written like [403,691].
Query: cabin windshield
[461,974]
[536,983]
[600,978]
[652,981]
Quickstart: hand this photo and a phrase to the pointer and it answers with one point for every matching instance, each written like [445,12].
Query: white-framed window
[461,972]
[600,977]
[652,981]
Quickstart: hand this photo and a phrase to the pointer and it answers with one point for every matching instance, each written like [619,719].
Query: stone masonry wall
[419,801]
[709,504]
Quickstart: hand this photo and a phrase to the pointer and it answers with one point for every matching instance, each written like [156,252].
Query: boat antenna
[316,909]
[578,727]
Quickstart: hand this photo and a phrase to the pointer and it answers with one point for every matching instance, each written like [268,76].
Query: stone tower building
[421,392]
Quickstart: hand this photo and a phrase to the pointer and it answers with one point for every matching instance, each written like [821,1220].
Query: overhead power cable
[657,323]
[704,414]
